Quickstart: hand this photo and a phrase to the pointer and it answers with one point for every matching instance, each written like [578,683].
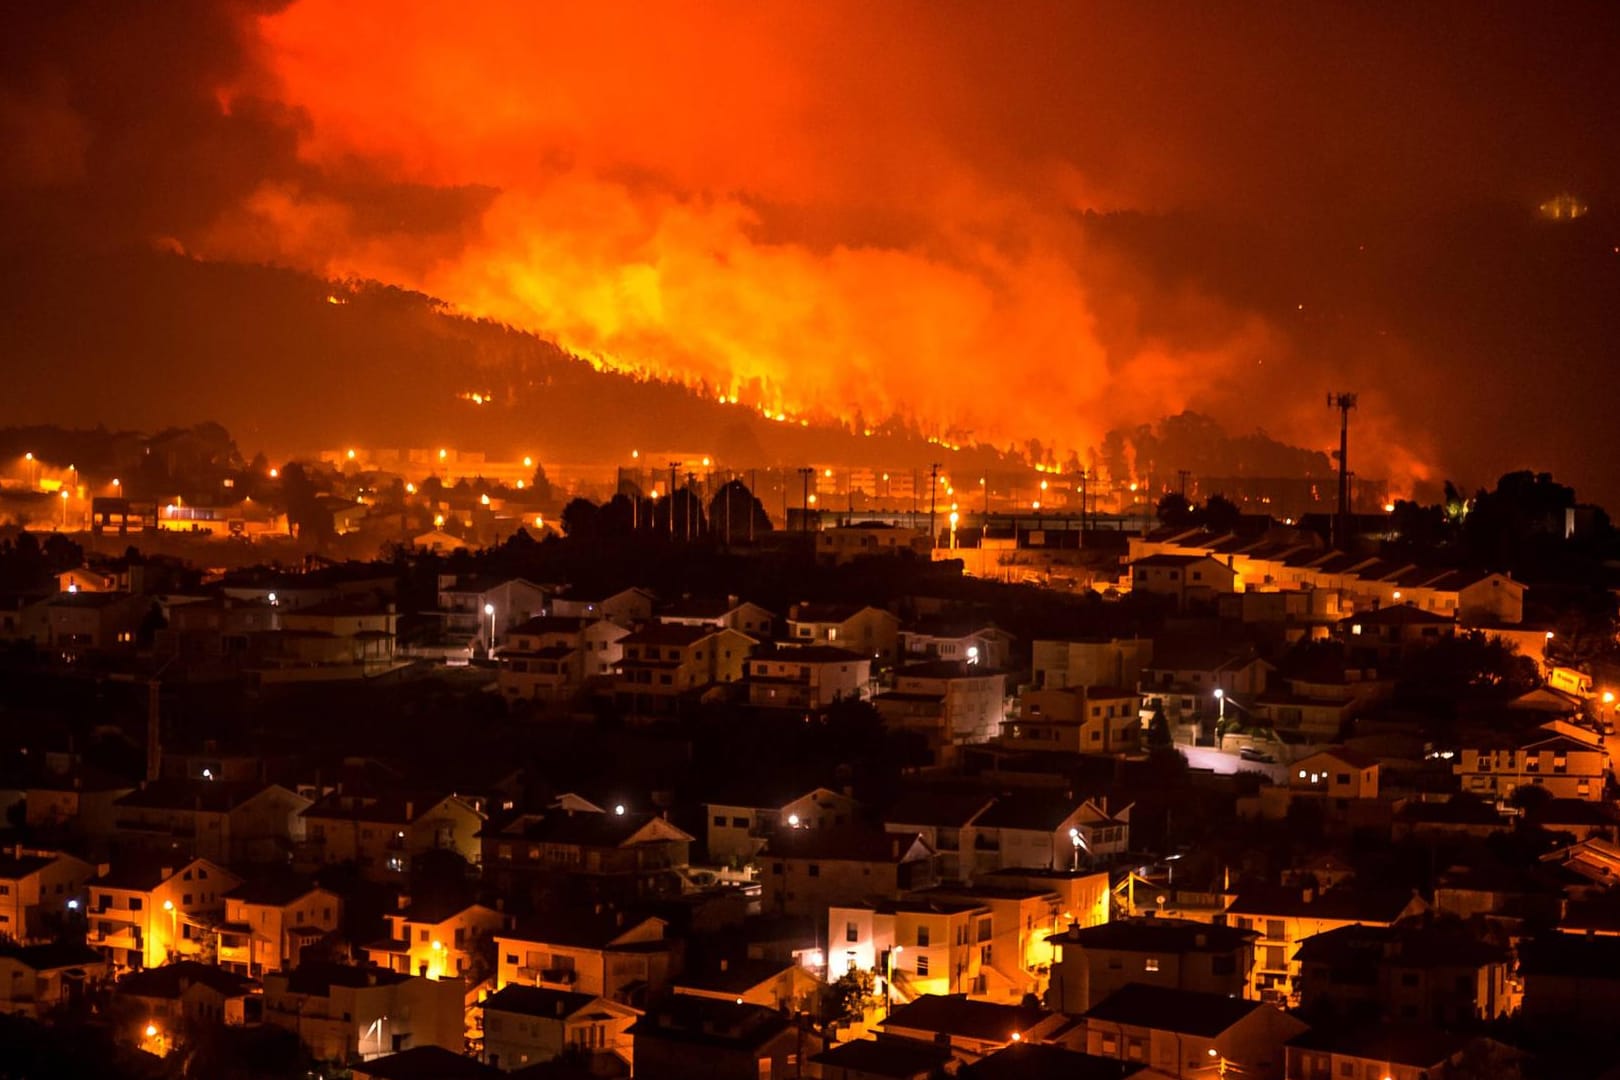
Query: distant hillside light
[1564,207]
[619,809]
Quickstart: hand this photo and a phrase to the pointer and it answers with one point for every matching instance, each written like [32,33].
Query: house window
[511,958]
[922,964]
[815,870]
[421,935]
[922,937]
[719,821]
[852,932]
[1151,964]
[739,823]
[134,903]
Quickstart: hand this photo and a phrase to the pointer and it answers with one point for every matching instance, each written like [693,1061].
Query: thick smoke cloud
[1001,221]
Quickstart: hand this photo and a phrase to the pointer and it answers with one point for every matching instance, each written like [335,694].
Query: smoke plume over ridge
[842,209]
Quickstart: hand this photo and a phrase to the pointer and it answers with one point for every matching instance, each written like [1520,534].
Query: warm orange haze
[810,221]
[1044,222]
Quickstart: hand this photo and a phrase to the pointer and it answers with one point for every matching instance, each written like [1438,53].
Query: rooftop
[537,1001]
[1156,935]
[1188,1012]
[957,1014]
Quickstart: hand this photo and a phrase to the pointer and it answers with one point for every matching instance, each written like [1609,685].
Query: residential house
[1336,779]
[1189,580]
[925,944]
[1049,830]
[1090,963]
[438,939]
[1429,974]
[1285,916]
[80,799]
[426,1063]
[553,657]
[1186,1032]
[218,627]
[786,986]
[465,602]
[1395,1052]
[1016,959]
[268,923]
[526,1025]
[189,991]
[694,1038]
[1383,637]
[841,544]
[1090,662]
[381,833]
[808,870]
[946,702]
[972,1029]
[627,607]
[225,821]
[37,979]
[146,911]
[664,664]
[77,622]
[940,816]
[1570,980]
[619,856]
[350,633]
[740,823]
[346,1014]
[868,630]
[1076,720]
[1050,1061]
[624,958]
[888,1057]
[37,891]
[809,677]
[1184,674]
[1494,765]
[956,639]
[722,613]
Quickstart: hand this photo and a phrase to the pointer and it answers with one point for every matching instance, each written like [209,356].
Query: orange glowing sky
[815,215]
[1045,220]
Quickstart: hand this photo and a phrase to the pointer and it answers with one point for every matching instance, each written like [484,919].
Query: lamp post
[1076,841]
[174,926]
[1220,705]
[64,510]
[489,610]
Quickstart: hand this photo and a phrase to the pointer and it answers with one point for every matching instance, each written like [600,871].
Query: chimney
[724,964]
[410,810]
[618,918]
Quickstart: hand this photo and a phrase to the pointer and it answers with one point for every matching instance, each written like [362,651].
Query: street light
[489,609]
[174,926]
[1077,841]
[1220,703]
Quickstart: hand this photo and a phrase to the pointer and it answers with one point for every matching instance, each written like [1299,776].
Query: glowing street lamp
[64,509]
[489,609]
[1220,703]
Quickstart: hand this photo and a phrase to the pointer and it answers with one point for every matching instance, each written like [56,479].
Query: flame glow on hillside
[808,222]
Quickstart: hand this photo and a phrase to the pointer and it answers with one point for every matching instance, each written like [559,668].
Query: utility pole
[672,467]
[691,526]
[933,497]
[1084,476]
[1181,475]
[805,472]
[1344,402]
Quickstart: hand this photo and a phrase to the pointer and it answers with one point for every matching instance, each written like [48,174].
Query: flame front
[783,205]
